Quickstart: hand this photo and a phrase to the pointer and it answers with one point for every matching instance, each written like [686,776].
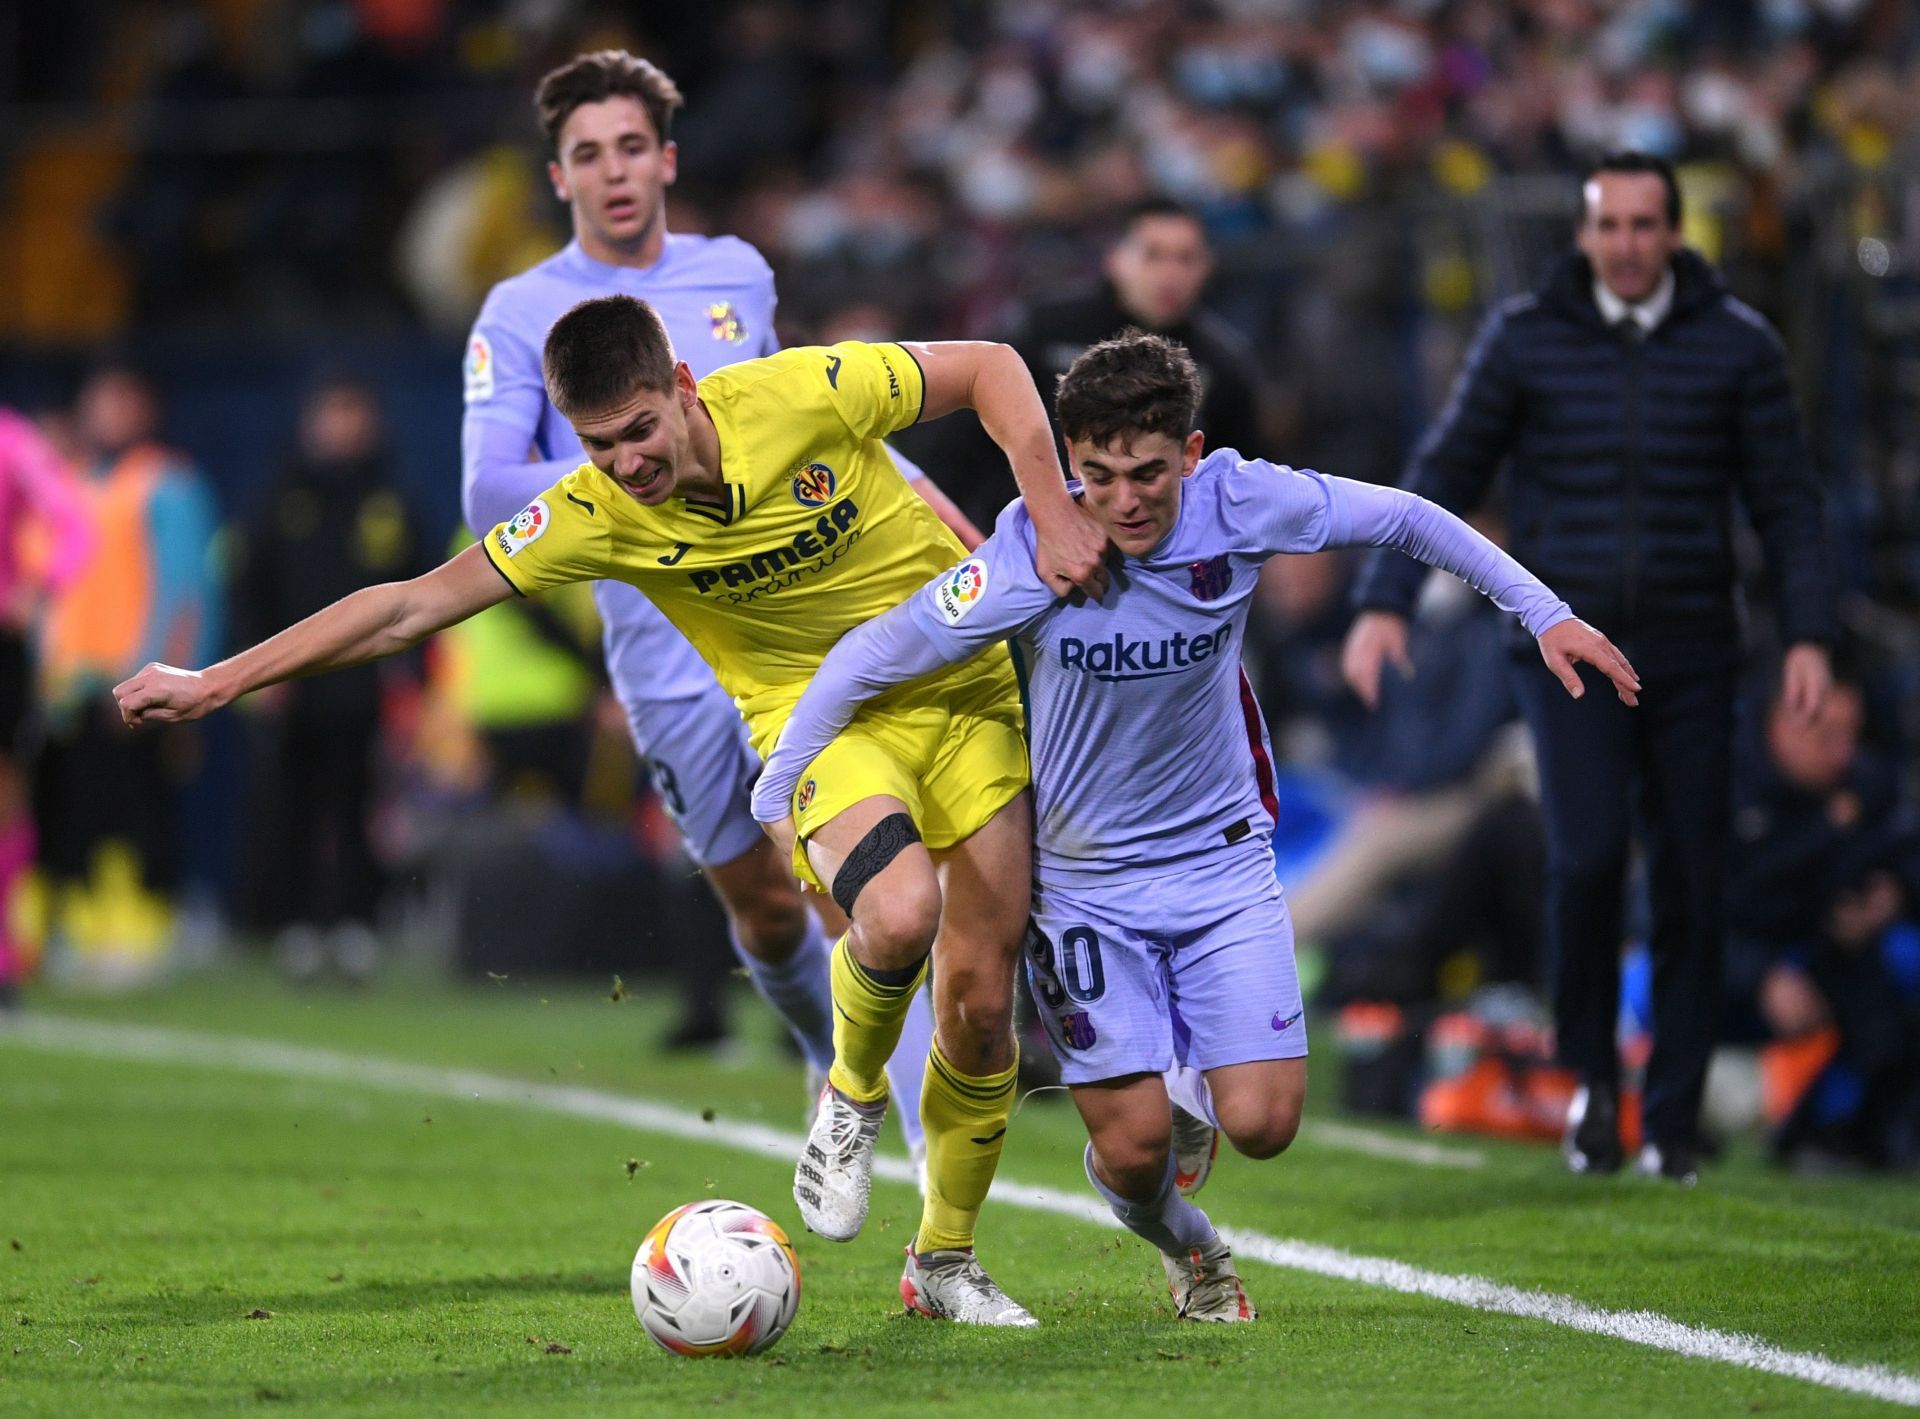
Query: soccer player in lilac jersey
[608,116]
[1161,951]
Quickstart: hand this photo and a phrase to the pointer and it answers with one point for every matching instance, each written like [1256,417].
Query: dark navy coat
[1624,458]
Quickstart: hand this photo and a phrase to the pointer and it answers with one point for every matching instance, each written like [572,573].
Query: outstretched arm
[1289,510]
[995,383]
[1456,461]
[375,622]
[1368,516]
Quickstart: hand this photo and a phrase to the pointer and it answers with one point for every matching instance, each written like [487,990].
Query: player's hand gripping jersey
[817,533]
[1149,752]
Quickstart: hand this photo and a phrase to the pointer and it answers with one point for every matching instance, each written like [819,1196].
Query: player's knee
[771,925]
[973,1006]
[763,903]
[1265,1131]
[978,998]
[1134,1167]
[1266,1139]
[898,920]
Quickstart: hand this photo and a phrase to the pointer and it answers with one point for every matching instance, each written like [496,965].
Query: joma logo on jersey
[813,485]
[764,566]
[1123,659]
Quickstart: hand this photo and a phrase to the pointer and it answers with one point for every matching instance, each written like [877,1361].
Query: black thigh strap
[886,840]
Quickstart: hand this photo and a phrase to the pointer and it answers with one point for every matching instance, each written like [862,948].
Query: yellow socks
[867,1012]
[966,1122]
[965,1115]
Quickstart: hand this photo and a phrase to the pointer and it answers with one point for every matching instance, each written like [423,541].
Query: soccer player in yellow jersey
[760,513]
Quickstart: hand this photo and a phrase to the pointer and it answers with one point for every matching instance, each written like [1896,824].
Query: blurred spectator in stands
[330,524]
[1153,277]
[323,225]
[105,799]
[1824,911]
[47,544]
[472,226]
[179,216]
[763,48]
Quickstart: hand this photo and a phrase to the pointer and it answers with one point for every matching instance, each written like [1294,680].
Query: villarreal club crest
[813,485]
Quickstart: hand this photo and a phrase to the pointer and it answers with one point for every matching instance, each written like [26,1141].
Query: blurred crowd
[1365,179]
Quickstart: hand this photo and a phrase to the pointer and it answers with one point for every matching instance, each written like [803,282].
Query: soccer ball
[716,1278]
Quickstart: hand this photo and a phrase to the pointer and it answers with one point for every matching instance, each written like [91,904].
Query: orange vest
[98,624]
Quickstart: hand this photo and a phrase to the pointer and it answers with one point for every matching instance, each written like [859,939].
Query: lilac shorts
[1193,968]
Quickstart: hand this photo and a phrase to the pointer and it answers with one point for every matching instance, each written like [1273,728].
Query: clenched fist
[166,694]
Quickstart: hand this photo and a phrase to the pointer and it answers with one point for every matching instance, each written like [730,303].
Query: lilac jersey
[715,295]
[1149,754]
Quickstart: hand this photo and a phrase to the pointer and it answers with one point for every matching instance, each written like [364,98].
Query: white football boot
[1196,1143]
[1206,1287]
[953,1285]
[835,1174]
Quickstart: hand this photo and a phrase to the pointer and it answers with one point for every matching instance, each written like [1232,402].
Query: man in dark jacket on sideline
[1631,398]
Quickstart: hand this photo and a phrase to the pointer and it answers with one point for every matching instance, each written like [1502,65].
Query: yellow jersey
[818,531]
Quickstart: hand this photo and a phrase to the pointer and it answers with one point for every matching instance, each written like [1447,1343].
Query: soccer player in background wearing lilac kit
[607,116]
[1161,951]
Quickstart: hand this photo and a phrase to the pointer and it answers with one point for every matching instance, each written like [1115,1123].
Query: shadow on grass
[348,1298]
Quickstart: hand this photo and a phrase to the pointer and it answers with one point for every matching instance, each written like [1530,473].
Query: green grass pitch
[439,1256]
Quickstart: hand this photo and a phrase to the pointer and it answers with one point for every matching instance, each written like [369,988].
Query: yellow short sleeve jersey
[817,534]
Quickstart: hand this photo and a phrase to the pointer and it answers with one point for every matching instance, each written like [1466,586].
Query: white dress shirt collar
[1647,314]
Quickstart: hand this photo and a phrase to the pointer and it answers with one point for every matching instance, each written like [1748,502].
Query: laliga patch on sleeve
[478,369]
[529,525]
[961,591]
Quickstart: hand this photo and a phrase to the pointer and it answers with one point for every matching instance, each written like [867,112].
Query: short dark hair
[601,75]
[338,379]
[1150,207]
[604,350]
[119,365]
[1135,383]
[1630,161]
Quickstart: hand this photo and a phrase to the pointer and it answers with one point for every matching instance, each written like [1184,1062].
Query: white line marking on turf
[1351,1138]
[1646,1328]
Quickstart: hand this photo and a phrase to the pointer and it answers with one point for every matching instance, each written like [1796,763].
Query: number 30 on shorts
[1070,971]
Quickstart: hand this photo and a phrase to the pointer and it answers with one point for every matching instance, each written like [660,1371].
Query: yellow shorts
[954,765]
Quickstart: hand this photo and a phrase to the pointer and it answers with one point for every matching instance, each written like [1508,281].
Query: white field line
[1646,1328]
[1350,1138]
